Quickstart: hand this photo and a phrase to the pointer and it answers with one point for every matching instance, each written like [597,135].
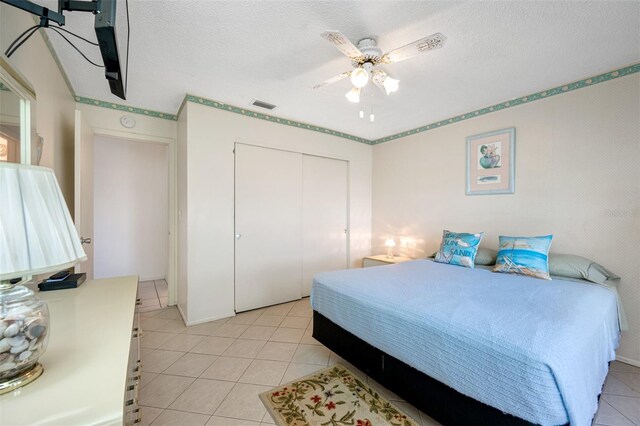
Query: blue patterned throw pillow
[458,248]
[524,255]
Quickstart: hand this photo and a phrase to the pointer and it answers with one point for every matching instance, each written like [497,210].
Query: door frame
[172,258]
[79,169]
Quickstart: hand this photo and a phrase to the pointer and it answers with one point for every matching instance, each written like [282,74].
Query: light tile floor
[212,373]
[153,295]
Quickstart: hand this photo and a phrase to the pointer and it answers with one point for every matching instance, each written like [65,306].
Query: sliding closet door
[324,212]
[268,206]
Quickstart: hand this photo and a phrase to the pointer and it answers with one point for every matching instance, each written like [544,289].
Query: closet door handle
[238,236]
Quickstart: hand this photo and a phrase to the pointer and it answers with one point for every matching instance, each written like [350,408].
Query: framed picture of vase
[491,162]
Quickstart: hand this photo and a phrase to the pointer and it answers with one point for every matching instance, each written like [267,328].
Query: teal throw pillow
[524,255]
[458,248]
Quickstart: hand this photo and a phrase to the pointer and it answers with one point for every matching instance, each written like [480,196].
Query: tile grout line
[182,411]
[155,287]
[615,394]
[253,359]
[192,412]
[178,397]
[200,377]
[234,385]
[167,408]
[614,409]
[619,394]
[618,411]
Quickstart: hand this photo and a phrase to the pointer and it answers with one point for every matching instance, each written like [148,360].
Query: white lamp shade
[390,85]
[390,242]
[37,234]
[359,77]
[353,95]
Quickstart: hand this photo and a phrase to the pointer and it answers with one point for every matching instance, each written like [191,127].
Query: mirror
[18,140]
[9,125]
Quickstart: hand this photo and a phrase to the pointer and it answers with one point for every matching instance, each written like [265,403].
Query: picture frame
[491,163]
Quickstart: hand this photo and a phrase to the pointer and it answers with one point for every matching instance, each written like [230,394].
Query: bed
[469,346]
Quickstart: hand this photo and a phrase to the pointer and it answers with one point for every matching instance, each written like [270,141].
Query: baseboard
[140,279]
[628,360]
[202,321]
[184,317]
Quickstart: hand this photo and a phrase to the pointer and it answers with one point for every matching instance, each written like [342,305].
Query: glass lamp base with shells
[24,334]
[22,379]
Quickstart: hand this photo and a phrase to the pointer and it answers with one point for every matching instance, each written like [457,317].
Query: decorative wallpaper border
[611,75]
[631,69]
[272,118]
[125,108]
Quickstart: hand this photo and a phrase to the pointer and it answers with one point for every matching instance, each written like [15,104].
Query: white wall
[107,121]
[54,112]
[577,176]
[130,208]
[183,216]
[209,170]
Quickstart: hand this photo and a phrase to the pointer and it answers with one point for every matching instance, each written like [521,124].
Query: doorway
[131,208]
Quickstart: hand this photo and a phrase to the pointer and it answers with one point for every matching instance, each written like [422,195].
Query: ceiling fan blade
[342,43]
[434,41]
[333,79]
[378,78]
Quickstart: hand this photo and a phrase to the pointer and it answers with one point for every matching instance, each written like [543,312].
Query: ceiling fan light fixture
[391,85]
[353,95]
[359,77]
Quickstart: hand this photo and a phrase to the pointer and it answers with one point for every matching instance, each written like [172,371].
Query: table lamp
[37,236]
[390,244]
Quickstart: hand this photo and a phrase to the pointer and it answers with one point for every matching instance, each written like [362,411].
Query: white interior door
[83,190]
[325,217]
[268,226]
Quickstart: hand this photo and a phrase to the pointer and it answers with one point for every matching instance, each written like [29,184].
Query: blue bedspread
[533,348]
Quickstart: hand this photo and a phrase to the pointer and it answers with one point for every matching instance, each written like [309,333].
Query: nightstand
[382,259]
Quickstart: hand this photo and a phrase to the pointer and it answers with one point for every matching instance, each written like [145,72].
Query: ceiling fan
[367,56]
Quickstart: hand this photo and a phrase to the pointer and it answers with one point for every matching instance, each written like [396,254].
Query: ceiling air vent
[263,104]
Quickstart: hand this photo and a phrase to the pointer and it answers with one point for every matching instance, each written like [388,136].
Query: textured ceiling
[236,51]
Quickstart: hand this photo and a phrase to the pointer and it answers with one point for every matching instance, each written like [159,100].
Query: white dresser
[91,366]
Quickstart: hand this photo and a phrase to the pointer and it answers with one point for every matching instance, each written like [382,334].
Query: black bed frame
[434,398]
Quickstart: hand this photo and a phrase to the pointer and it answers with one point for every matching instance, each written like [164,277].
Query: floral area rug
[331,397]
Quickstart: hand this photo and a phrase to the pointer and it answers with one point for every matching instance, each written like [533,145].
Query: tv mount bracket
[105,16]
[47,14]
